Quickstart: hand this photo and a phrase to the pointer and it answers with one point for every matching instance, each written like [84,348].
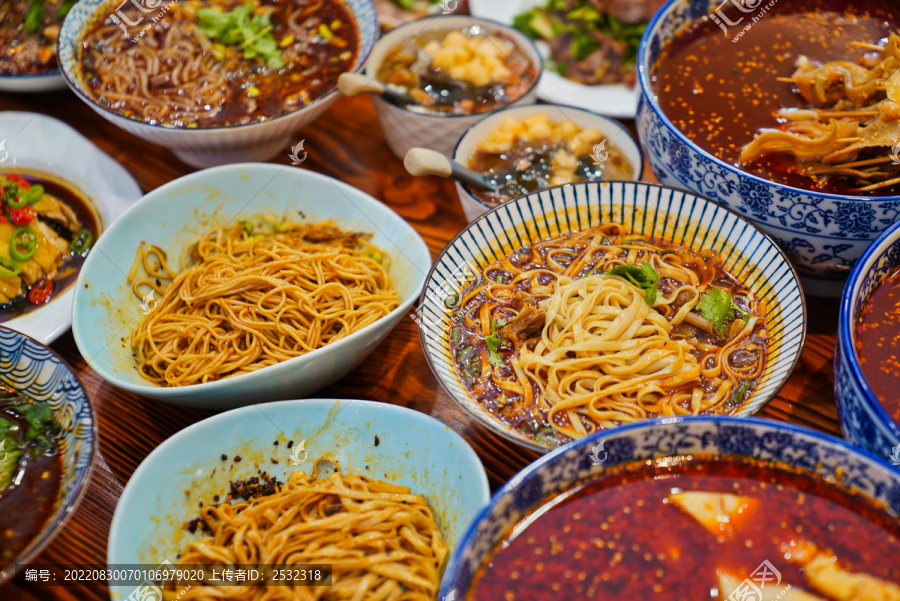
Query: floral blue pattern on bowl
[864,421]
[29,367]
[765,440]
[656,211]
[822,234]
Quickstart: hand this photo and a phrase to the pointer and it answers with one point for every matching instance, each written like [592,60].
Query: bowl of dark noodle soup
[584,307]
[216,81]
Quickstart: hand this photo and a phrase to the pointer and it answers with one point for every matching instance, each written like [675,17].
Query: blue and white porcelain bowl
[659,212]
[764,440]
[29,367]
[864,421]
[822,234]
[210,146]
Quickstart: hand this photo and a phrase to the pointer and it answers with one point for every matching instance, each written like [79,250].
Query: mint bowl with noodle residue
[299,339]
[388,443]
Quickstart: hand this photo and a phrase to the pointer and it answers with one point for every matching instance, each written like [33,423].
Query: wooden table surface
[346,143]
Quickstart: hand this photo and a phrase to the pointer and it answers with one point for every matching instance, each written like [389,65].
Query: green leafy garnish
[737,397]
[545,436]
[644,277]
[716,306]
[64,8]
[247,225]
[238,27]
[35,15]
[493,343]
[38,440]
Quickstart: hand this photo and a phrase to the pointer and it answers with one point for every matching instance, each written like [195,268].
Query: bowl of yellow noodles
[588,306]
[244,283]
[374,496]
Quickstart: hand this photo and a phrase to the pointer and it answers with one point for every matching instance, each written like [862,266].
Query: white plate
[611,100]
[33,142]
[41,82]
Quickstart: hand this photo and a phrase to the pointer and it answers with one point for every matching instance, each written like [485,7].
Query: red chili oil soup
[719,89]
[878,345]
[627,535]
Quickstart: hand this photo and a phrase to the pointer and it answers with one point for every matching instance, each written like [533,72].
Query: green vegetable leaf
[584,13]
[583,46]
[9,463]
[35,15]
[644,277]
[546,436]
[239,27]
[737,397]
[717,306]
[64,8]
[493,343]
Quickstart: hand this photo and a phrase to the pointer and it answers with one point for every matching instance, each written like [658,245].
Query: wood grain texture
[346,143]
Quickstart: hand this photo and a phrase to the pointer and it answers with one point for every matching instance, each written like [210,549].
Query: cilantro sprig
[493,343]
[644,277]
[717,306]
[239,27]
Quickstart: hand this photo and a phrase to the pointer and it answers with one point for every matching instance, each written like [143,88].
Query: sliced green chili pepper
[23,244]
[17,202]
[82,241]
[8,269]
[248,226]
[33,194]
[451,301]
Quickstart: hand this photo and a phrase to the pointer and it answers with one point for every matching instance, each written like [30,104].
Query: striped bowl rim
[661,212]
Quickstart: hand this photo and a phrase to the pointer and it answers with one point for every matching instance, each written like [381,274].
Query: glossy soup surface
[168,71]
[719,92]
[617,538]
[878,345]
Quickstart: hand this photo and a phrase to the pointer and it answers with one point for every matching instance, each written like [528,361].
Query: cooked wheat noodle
[606,354]
[246,301]
[381,540]
[590,352]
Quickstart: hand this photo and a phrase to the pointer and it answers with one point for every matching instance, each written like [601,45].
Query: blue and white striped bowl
[864,421]
[215,145]
[29,367]
[824,456]
[662,213]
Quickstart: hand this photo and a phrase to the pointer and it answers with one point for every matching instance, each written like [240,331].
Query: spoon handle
[422,161]
[354,84]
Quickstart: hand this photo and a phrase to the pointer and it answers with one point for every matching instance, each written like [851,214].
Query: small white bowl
[404,128]
[35,144]
[385,442]
[216,145]
[174,215]
[615,132]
